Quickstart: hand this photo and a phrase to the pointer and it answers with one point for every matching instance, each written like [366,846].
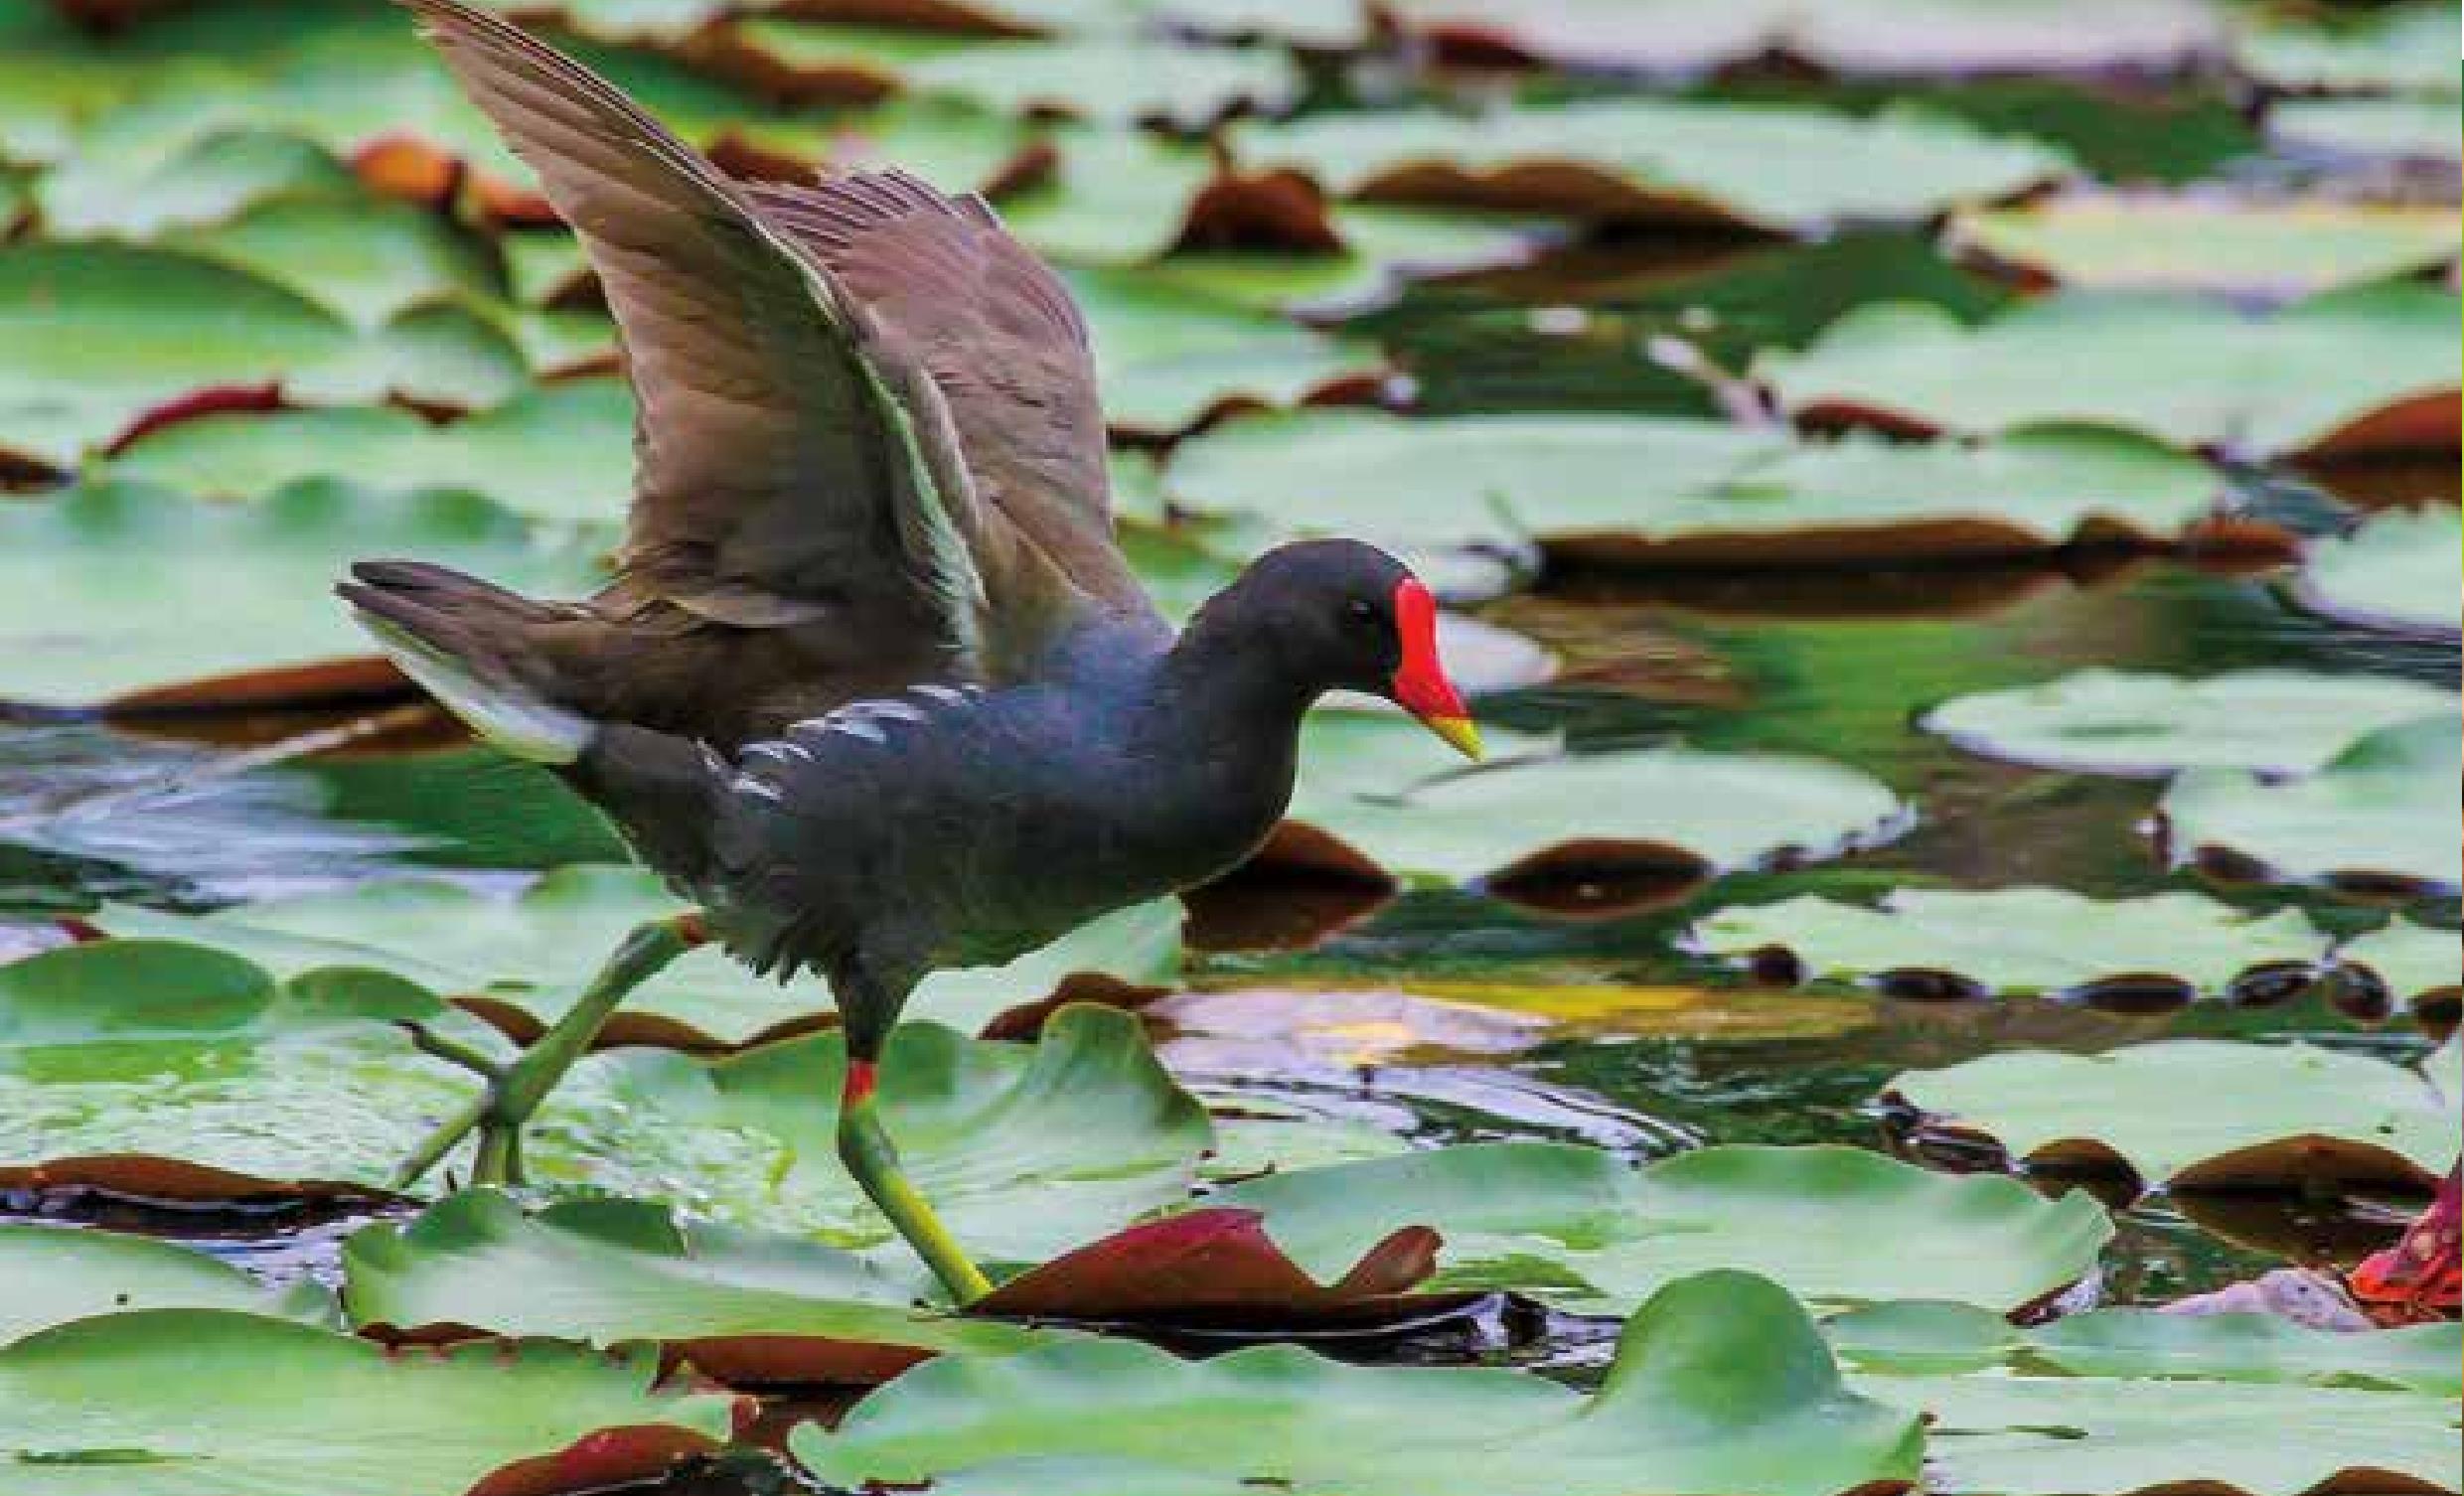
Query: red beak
[1420,685]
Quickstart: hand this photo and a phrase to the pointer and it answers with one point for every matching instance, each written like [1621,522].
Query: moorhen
[873,685]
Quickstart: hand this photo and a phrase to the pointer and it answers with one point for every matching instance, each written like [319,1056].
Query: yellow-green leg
[865,1147]
[514,1091]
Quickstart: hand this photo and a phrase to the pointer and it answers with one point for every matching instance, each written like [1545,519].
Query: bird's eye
[1361,611]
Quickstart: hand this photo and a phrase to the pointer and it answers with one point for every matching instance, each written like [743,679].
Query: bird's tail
[461,639]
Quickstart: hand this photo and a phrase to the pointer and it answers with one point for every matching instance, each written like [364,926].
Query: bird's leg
[514,1091]
[868,1009]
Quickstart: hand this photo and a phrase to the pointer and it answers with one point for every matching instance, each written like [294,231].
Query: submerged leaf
[1720,1383]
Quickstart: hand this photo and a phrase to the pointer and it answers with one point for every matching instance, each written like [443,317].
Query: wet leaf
[1768,167]
[534,953]
[1578,1228]
[1167,358]
[56,1274]
[2418,130]
[743,1307]
[560,451]
[2239,246]
[2033,941]
[1654,492]
[1720,1383]
[2398,571]
[2413,962]
[1560,830]
[2348,374]
[1025,1150]
[2119,1343]
[2200,1113]
[172,1071]
[177,1402]
[2382,815]
[1889,38]
[2104,721]
[2394,49]
[73,568]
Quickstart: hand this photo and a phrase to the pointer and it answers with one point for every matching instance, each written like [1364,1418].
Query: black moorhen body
[873,685]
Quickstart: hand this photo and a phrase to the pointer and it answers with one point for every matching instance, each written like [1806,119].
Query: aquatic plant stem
[514,1091]
[865,1149]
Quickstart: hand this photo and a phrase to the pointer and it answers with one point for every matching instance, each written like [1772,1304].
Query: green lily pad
[2036,941]
[1025,1150]
[2197,1114]
[534,953]
[1548,827]
[1770,167]
[176,1071]
[53,77]
[2221,245]
[2399,571]
[2350,373]
[1167,358]
[72,567]
[562,451]
[366,259]
[56,1274]
[1578,1228]
[1383,250]
[739,1305]
[1665,492]
[2102,721]
[2413,962]
[144,193]
[178,1402]
[2399,48]
[1720,1382]
[2151,1343]
[1888,37]
[2421,130]
[2383,814]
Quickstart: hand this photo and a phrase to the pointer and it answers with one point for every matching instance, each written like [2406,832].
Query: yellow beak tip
[1460,733]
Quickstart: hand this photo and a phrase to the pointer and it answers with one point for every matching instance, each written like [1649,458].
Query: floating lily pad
[2197,1114]
[1768,167]
[2037,941]
[1566,831]
[56,1274]
[2151,1343]
[1664,492]
[2102,721]
[2247,247]
[1578,1228]
[2413,962]
[1025,1150]
[1889,38]
[362,258]
[176,1071]
[101,192]
[75,567]
[2351,373]
[1720,1383]
[2393,49]
[562,451]
[2398,572]
[2382,815]
[533,955]
[1167,358]
[2423,130]
[178,1402]
[740,1306]
[53,77]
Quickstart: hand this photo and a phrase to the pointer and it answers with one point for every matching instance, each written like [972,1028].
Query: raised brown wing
[792,468]
[1001,339]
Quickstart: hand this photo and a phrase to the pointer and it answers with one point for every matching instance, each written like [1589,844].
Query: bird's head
[1343,615]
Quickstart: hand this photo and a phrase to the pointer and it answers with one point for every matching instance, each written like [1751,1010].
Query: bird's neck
[1228,684]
